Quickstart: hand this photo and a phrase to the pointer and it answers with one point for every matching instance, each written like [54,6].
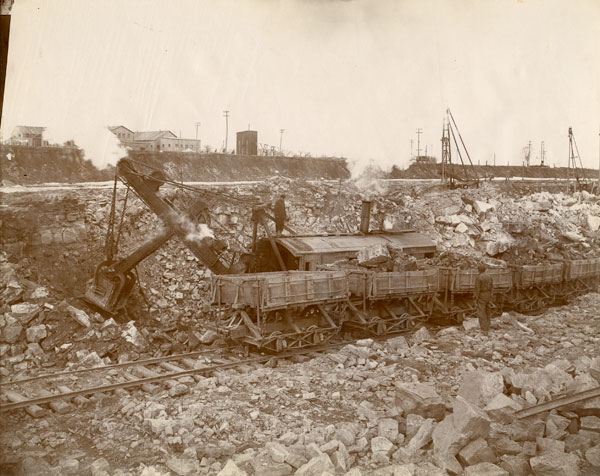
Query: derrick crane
[575,170]
[469,176]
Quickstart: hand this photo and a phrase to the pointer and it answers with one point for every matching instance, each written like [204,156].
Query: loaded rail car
[579,277]
[388,302]
[456,299]
[535,287]
[281,310]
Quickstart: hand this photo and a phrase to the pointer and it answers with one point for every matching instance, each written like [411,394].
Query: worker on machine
[280,216]
[483,298]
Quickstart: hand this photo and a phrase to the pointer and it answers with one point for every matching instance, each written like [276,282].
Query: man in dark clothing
[280,216]
[483,298]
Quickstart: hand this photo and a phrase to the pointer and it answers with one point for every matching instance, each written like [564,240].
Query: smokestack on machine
[365,216]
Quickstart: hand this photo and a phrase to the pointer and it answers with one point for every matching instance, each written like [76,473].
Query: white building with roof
[30,136]
[155,140]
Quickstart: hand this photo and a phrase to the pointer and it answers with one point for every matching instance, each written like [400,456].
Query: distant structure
[155,140]
[247,143]
[421,159]
[29,136]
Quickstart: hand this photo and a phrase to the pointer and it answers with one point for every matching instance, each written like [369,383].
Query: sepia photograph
[300,237]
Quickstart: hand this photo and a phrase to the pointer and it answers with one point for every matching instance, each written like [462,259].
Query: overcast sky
[346,78]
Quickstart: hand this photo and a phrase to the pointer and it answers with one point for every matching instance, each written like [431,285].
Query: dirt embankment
[33,165]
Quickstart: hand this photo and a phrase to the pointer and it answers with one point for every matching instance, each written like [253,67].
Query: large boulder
[466,423]
[480,387]
[420,399]
[555,464]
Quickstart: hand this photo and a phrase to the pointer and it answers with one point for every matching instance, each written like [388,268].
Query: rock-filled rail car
[283,310]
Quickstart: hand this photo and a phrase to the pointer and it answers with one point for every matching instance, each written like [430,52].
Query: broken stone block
[593,456]
[388,428]
[316,466]
[380,444]
[209,337]
[101,464]
[132,335]
[36,333]
[373,255]
[231,469]
[12,331]
[413,423]
[397,344]
[501,408]
[595,368]
[477,451]
[548,445]
[295,457]
[505,446]
[482,207]
[591,423]
[277,451]
[593,222]
[480,387]
[515,465]
[457,429]
[346,435]
[330,447]
[555,464]
[461,228]
[183,466]
[470,324]
[80,316]
[420,399]
[485,469]
[577,442]
[25,312]
[421,335]
[422,437]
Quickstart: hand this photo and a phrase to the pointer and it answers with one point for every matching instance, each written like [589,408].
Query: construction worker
[483,298]
[280,216]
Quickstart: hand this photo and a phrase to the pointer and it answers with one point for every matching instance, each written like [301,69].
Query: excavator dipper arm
[114,281]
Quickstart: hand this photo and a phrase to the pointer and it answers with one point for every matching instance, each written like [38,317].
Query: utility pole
[281,131]
[419,132]
[226,114]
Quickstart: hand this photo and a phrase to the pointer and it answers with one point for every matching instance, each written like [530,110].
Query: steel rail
[158,378]
[557,403]
[131,363]
[173,375]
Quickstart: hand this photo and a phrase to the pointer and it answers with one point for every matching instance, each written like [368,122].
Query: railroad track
[60,390]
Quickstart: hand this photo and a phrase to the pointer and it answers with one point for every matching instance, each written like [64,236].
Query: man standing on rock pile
[279,210]
[483,297]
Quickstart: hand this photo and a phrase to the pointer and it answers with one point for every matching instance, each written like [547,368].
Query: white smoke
[100,145]
[368,179]
[194,231]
